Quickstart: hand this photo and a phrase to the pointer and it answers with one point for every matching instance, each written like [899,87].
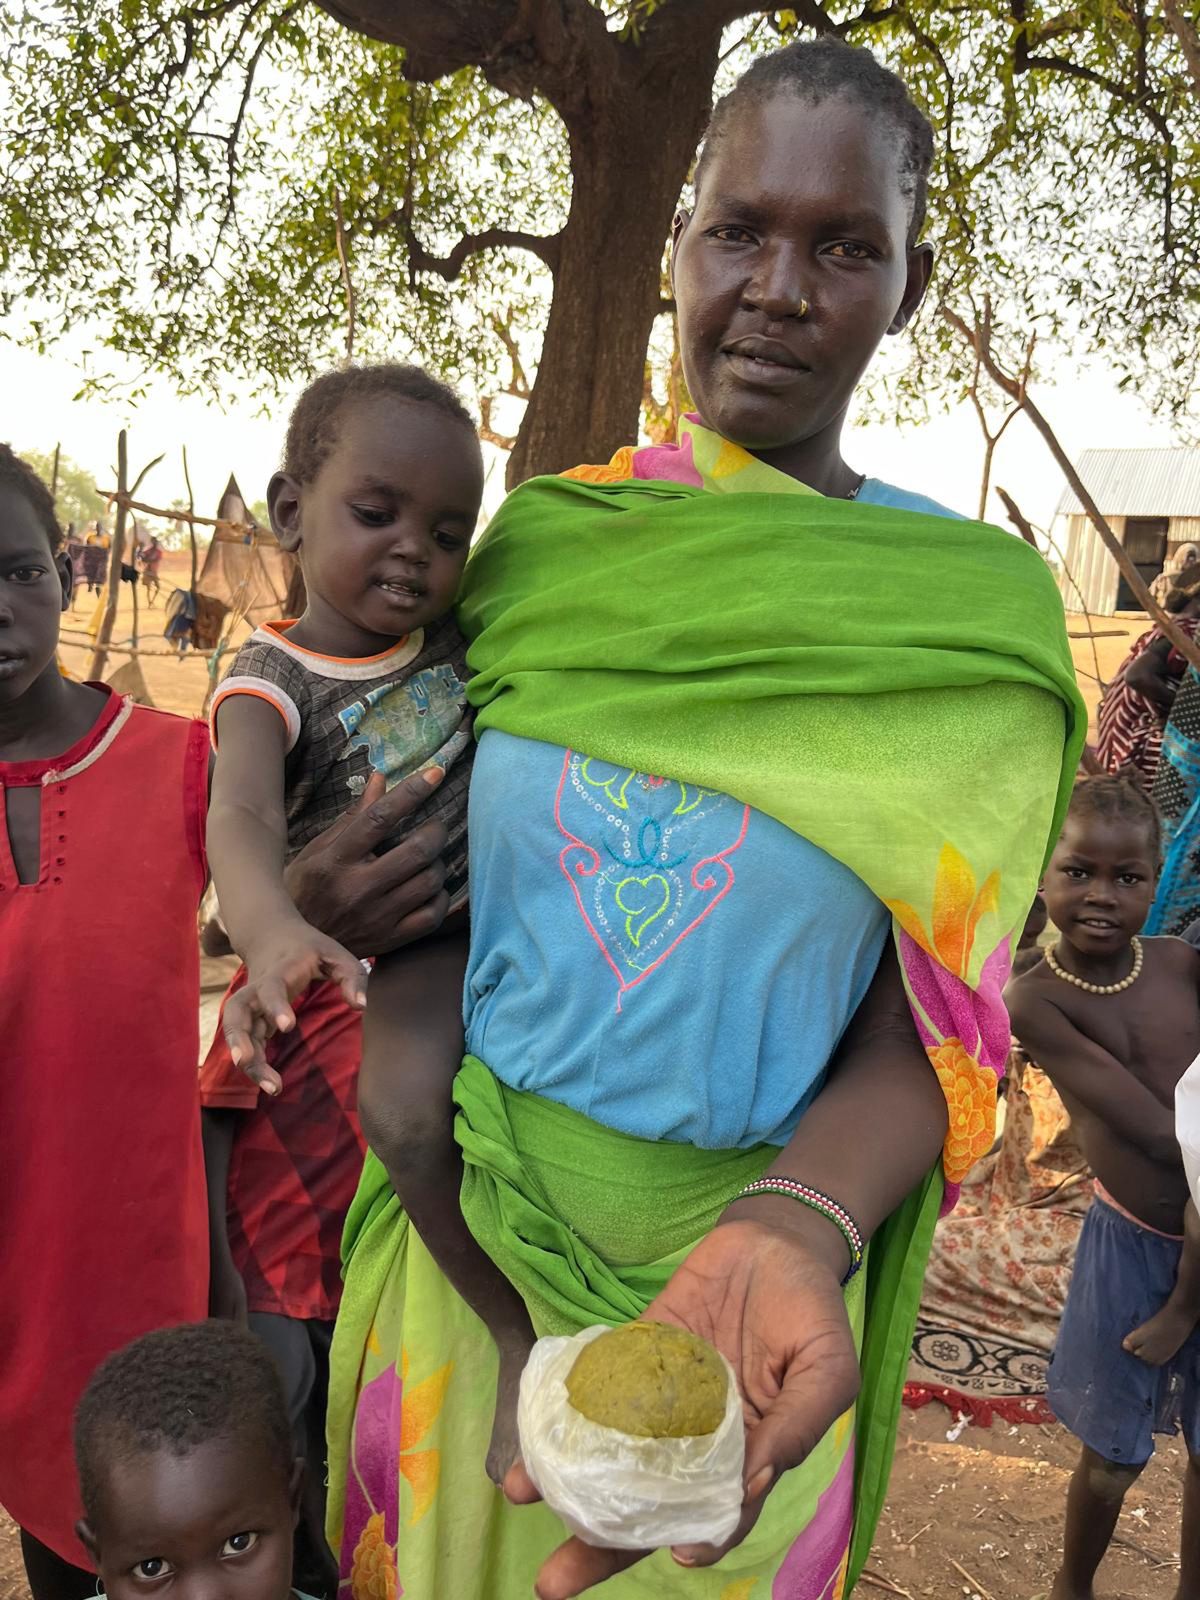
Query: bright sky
[941,458]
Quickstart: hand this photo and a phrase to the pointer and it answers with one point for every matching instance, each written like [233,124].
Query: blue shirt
[659,957]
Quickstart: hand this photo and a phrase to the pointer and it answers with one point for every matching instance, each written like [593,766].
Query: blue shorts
[1108,1399]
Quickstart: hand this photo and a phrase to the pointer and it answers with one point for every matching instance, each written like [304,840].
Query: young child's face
[1100,882]
[217,1520]
[34,590]
[385,526]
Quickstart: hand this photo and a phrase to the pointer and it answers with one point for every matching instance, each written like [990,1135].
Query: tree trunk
[629,165]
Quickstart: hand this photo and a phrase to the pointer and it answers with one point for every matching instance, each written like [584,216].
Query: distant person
[95,560]
[190,1485]
[1114,1022]
[1138,701]
[1175,570]
[150,555]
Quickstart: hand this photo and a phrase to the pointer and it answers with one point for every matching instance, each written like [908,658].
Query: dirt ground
[977,1517]
[176,683]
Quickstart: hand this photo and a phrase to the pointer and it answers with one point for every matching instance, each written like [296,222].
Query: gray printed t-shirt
[394,713]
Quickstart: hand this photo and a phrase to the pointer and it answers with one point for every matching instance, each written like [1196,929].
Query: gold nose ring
[802,310]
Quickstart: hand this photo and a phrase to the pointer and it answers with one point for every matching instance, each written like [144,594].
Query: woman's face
[792,268]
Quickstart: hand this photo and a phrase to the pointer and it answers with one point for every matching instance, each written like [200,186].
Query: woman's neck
[52,715]
[816,461]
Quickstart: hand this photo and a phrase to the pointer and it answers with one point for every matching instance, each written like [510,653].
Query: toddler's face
[218,1519]
[384,529]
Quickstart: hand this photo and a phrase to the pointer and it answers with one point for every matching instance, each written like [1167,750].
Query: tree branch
[979,338]
[343,255]
[546,247]
[1188,35]
[523,47]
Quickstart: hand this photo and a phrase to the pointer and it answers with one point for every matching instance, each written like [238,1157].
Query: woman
[678,984]
[1174,572]
[1138,701]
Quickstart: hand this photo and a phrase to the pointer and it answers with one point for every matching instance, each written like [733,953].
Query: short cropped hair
[312,429]
[822,69]
[176,1389]
[19,476]
[1117,798]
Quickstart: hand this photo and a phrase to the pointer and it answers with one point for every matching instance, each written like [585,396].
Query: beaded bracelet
[819,1202]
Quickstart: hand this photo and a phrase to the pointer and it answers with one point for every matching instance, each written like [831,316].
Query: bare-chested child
[1115,1021]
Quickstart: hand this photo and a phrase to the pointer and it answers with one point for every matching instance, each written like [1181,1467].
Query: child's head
[187,1468]
[379,494]
[1035,924]
[35,582]
[1100,881]
[802,251]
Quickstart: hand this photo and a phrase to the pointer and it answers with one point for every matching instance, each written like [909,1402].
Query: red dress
[103,1220]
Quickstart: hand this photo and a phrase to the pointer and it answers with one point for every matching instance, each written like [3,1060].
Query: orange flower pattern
[373,1572]
[970,1091]
[957,910]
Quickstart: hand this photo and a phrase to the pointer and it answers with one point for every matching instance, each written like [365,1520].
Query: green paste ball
[650,1380]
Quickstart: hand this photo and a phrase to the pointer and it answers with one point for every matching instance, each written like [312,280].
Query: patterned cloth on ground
[1000,1267]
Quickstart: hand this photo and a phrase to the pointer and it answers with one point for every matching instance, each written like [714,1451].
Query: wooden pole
[133,551]
[187,478]
[100,653]
[54,472]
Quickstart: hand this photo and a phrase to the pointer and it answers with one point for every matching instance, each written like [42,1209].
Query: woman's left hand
[769,1298]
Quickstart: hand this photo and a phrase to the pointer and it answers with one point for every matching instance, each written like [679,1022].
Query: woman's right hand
[372,903]
[769,1298]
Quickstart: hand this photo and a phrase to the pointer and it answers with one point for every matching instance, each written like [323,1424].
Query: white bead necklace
[1097,988]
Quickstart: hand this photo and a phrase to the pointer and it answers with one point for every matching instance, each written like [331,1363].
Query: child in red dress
[105,1237]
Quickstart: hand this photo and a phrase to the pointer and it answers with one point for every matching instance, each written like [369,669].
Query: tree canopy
[488,184]
[76,498]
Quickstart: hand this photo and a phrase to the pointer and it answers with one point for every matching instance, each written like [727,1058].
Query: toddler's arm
[412,1046]
[1089,1074]
[247,842]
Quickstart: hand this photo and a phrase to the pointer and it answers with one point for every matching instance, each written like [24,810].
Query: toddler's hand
[263,1006]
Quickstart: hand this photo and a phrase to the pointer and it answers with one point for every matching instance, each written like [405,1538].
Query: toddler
[378,495]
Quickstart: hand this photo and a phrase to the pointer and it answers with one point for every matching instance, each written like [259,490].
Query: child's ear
[283,502]
[295,1487]
[87,1538]
[66,578]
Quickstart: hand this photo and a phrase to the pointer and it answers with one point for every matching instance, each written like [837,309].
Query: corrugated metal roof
[1138,483]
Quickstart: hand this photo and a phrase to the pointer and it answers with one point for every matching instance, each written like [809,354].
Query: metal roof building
[1152,500]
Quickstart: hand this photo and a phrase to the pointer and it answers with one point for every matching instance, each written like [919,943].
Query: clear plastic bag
[618,1491]
[1187,1125]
